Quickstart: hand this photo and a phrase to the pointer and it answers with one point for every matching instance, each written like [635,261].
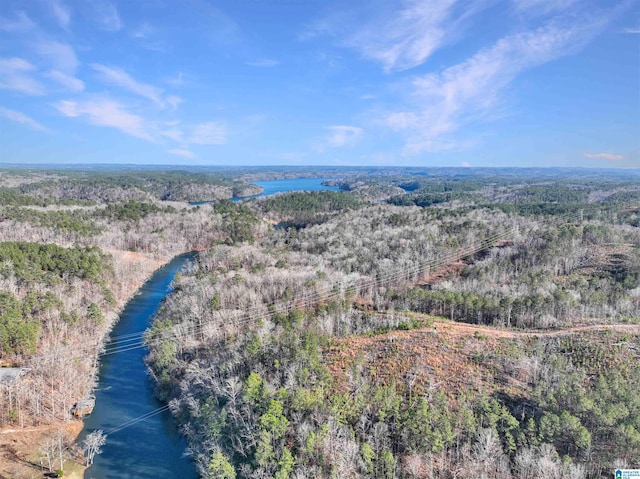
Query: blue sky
[312,82]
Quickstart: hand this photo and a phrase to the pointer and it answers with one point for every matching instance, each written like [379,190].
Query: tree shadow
[13,455]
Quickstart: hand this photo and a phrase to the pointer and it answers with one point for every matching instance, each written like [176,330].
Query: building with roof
[10,376]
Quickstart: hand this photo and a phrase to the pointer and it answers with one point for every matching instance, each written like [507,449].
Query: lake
[298,184]
[271,187]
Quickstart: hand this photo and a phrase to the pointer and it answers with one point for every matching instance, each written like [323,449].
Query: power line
[136,420]
[485,244]
[317,296]
[327,293]
[135,341]
[433,263]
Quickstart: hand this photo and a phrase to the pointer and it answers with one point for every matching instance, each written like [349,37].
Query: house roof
[9,376]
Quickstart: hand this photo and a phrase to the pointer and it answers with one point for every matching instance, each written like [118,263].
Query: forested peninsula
[417,323]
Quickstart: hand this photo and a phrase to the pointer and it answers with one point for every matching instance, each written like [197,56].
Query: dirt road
[454,327]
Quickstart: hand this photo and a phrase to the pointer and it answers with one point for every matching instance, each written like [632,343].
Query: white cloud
[107,15]
[23,119]
[543,7]
[469,91]
[604,156]
[61,12]
[117,76]
[173,101]
[400,35]
[173,132]
[210,133]
[182,152]
[109,113]
[264,62]
[15,74]
[149,37]
[102,111]
[69,82]
[343,135]
[466,164]
[408,37]
[22,23]
[61,55]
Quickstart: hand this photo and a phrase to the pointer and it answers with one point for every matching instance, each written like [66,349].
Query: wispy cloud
[23,119]
[408,37]
[145,30]
[182,152]
[149,37]
[318,28]
[61,55]
[264,62]
[22,23]
[604,156]
[103,111]
[400,35]
[15,74]
[109,113]
[118,77]
[542,7]
[64,61]
[209,133]
[173,101]
[220,30]
[69,82]
[107,15]
[343,135]
[173,131]
[470,90]
[61,12]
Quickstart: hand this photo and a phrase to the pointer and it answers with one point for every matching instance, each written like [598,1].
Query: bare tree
[92,445]
[48,451]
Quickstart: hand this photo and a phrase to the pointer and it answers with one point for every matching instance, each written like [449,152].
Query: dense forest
[436,323]
[77,187]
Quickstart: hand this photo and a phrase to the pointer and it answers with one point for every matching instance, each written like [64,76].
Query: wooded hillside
[69,262]
[309,354]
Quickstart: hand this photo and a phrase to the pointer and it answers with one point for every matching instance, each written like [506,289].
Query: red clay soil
[19,450]
[456,357]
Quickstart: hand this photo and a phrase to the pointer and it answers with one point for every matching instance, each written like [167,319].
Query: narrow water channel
[150,448]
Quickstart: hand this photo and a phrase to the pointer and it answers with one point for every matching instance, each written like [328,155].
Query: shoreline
[20,447]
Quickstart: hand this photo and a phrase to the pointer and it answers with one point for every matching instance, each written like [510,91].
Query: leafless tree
[92,445]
